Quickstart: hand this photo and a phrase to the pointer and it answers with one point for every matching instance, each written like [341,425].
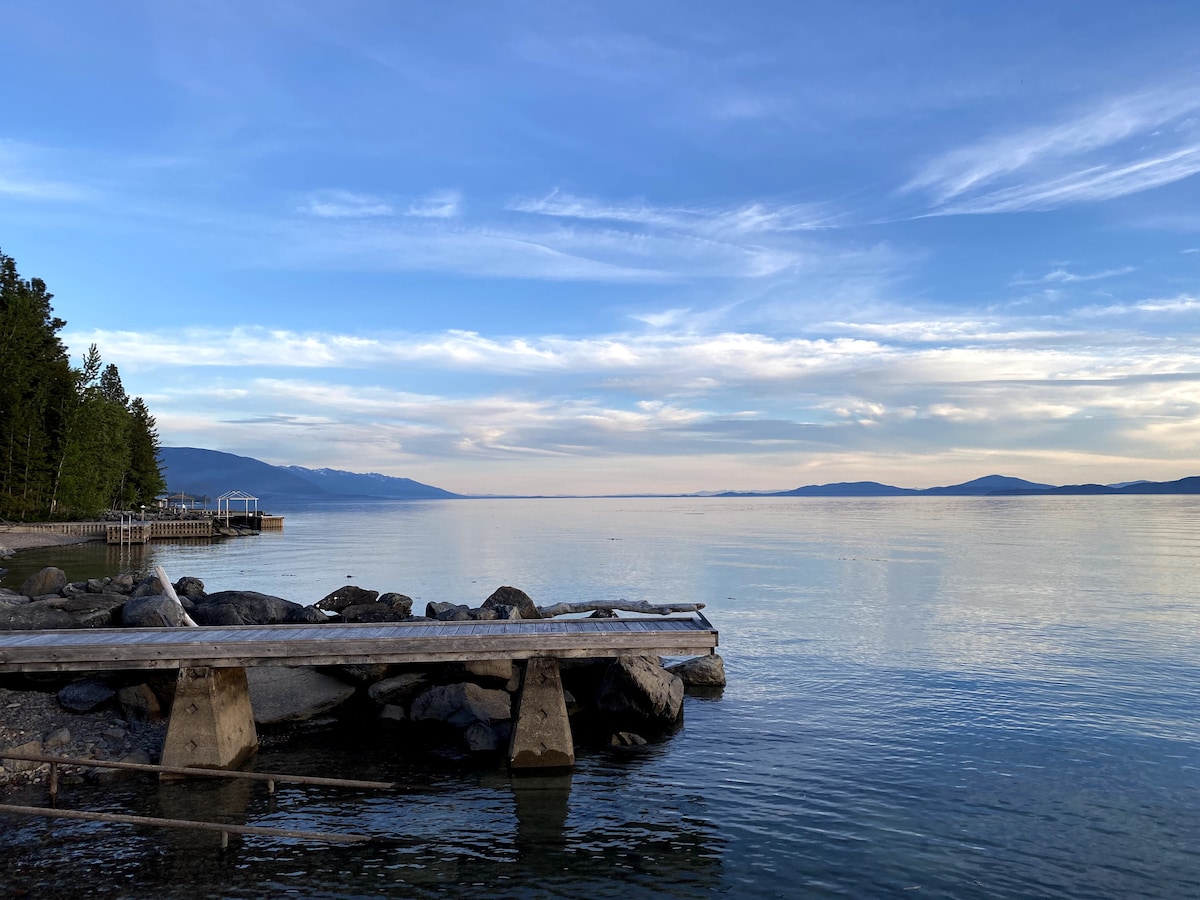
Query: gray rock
[392,714]
[151,611]
[434,608]
[279,694]
[189,587]
[243,608]
[359,673]
[29,748]
[462,705]
[85,696]
[305,615]
[350,595]
[139,703]
[371,612]
[73,589]
[490,672]
[48,581]
[481,738]
[627,739]
[639,689]
[92,610]
[9,598]
[59,737]
[399,688]
[455,614]
[511,596]
[35,615]
[97,585]
[503,611]
[703,671]
[148,587]
[122,583]
[401,603]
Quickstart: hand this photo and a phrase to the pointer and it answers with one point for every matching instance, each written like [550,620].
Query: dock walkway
[212,722]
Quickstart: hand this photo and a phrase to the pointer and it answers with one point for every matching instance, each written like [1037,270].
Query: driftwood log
[640,606]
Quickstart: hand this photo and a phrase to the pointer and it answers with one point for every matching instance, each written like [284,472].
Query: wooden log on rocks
[639,606]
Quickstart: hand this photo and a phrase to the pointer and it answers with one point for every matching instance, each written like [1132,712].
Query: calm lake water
[928,697]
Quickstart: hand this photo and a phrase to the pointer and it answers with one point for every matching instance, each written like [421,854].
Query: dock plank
[344,643]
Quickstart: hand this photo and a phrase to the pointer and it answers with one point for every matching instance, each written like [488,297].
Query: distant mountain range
[210,473]
[988,486]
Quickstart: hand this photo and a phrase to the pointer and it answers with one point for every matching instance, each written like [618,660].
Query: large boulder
[86,695]
[92,610]
[349,595]
[243,608]
[151,611]
[637,689]
[702,671]
[398,689]
[507,595]
[280,694]
[371,612]
[462,705]
[35,616]
[46,581]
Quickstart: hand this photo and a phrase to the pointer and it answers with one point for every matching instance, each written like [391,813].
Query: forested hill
[210,473]
[72,442]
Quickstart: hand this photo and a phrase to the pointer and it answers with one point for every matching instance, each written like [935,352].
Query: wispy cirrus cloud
[338,204]
[1130,144]
[22,175]
[746,219]
[439,205]
[1062,275]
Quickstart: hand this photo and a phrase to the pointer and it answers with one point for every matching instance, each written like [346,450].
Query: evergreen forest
[72,442]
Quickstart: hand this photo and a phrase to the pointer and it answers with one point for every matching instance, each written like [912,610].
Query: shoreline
[16,541]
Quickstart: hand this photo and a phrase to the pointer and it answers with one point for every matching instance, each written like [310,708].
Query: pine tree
[71,441]
[35,383]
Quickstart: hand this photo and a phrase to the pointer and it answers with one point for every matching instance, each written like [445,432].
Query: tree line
[72,442]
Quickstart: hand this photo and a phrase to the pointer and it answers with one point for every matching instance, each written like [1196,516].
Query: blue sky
[573,246]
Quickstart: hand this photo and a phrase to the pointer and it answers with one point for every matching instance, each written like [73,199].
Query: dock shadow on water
[450,829]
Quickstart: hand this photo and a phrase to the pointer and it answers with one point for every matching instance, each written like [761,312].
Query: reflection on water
[952,697]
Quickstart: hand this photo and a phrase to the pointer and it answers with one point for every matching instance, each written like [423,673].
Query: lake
[928,697]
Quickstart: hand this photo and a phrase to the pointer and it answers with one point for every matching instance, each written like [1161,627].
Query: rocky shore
[464,707]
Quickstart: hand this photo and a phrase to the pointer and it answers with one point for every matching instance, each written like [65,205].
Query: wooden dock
[88,649]
[212,724]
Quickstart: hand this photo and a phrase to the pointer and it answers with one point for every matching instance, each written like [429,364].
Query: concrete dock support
[212,723]
[541,736]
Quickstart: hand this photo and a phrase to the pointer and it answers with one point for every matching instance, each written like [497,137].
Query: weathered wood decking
[311,645]
[212,723]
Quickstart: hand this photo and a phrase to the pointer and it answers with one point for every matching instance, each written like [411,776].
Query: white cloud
[338,204]
[1063,276]
[746,219]
[1130,144]
[441,205]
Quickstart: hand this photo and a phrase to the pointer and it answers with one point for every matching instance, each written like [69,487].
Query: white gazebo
[226,500]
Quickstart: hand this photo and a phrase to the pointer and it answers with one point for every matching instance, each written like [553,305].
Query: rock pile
[622,702]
